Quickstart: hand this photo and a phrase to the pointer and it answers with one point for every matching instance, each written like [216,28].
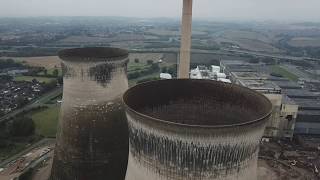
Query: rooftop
[287,100]
[309,116]
[287,84]
[262,86]
[299,93]
[307,104]
[250,75]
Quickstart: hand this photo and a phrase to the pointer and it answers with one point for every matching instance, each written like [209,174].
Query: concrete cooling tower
[194,130]
[92,139]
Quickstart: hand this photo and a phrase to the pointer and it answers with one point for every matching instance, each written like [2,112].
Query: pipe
[92,138]
[194,129]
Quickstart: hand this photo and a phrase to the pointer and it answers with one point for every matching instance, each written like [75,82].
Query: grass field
[30,78]
[284,73]
[46,121]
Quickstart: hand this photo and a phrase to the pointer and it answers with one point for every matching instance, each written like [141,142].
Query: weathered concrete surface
[186,31]
[184,136]
[92,139]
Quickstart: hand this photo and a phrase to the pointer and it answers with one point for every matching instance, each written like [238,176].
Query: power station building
[285,111]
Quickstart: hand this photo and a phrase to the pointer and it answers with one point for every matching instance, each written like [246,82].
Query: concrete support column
[186,31]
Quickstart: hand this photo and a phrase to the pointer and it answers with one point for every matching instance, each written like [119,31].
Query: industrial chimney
[194,129]
[92,139]
[186,31]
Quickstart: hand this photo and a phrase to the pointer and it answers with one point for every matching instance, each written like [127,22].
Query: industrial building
[212,73]
[308,120]
[308,116]
[285,111]
[296,109]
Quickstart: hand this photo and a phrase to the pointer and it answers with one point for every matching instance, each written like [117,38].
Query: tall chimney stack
[186,31]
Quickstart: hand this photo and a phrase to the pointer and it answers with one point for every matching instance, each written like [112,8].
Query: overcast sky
[224,9]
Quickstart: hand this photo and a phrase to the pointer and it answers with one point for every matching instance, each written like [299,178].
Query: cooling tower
[194,129]
[92,138]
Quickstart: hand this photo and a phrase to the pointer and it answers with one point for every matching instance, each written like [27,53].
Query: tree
[136,60]
[134,75]
[6,78]
[21,101]
[155,67]
[50,85]
[60,80]
[164,69]
[55,73]
[45,71]
[9,63]
[173,70]
[22,126]
[1,113]
[149,62]
[148,79]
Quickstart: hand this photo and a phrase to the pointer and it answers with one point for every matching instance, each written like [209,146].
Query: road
[25,151]
[37,102]
[29,158]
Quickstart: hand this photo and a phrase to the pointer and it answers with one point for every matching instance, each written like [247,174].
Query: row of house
[15,94]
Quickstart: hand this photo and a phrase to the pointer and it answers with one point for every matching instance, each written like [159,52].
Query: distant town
[279,60]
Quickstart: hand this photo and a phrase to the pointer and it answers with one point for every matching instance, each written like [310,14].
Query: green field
[46,121]
[284,73]
[30,78]
[132,66]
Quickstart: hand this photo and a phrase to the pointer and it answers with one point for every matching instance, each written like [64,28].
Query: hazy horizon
[281,10]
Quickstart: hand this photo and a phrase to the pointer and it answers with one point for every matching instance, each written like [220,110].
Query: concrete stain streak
[92,139]
[172,137]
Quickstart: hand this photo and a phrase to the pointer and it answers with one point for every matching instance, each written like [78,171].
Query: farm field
[165,32]
[305,42]
[236,34]
[256,45]
[249,40]
[52,62]
[49,62]
[97,39]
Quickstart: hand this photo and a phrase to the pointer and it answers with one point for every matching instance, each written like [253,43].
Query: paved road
[37,102]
